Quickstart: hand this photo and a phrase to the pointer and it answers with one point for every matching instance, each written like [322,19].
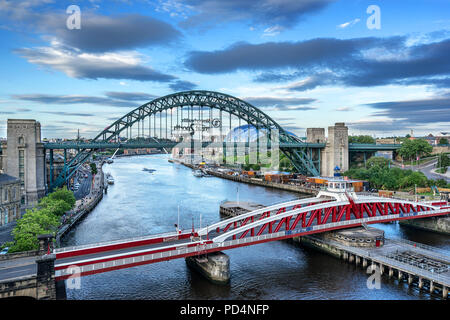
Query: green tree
[93,168]
[443,141]
[33,223]
[411,149]
[63,194]
[377,161]
[361,139]
[57,207]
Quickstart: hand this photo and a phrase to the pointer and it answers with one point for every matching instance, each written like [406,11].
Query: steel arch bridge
[276,222]
[301,155]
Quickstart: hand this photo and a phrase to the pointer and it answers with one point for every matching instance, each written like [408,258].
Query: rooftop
[5,179]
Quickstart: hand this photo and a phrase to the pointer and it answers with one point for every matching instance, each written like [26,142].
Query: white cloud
[348,24]
[272,31]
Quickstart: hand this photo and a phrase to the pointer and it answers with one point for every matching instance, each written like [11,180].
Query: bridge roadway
[243,231]
[166,144]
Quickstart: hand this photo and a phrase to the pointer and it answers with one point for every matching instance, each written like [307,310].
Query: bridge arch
[201,98]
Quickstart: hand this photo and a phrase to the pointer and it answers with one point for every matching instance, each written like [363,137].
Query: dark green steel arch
[217,100]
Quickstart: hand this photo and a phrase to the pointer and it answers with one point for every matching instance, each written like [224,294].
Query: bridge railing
[112,242]
[442,253]
[384,260]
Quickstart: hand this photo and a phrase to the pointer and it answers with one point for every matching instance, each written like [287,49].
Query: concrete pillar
[46,288]
[444,292]
[391,272]
[381,269]
[364,263]
[431,286]
[410,279]
[357,260]
[400,275]
[351,258]
[214,266]
[335,152]
[420,282]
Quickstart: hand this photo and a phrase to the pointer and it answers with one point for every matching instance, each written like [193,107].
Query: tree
[443,141]
[361,139]
[377,161]
[63,194]
[57,207]
[33,223]
[93,168]
[443,163]
[410,149]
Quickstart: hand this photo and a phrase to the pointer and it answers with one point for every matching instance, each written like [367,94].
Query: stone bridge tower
[24,158]
[335,152]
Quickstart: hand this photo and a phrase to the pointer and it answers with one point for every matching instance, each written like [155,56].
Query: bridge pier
[444,292]
[410,279]
[420,282]
[351,258]
[400,275]
[364,263]
[214,266]
[431,286]
[391,272]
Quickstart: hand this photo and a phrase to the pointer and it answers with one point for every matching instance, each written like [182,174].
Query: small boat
[109,178]
[109,160]
[149,170]
[198,173]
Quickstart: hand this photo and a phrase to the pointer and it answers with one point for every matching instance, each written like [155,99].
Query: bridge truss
[174,109]
[277,222]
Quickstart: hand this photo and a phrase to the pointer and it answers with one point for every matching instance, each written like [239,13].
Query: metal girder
[217,100]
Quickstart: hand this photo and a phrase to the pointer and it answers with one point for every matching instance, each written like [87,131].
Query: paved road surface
[17,268]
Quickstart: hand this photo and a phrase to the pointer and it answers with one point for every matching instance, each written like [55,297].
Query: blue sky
[305,63]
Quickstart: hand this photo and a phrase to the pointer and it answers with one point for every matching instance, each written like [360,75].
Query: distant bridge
[213,110]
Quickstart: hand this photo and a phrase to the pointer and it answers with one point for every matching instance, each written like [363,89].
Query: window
[21,168]
[20,140]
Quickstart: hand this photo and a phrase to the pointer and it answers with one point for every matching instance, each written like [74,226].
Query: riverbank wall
[257,182]
[434,224]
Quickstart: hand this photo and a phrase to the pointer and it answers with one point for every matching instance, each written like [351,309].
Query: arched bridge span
[299,156]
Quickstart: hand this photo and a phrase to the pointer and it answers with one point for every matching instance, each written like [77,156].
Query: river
[142,203]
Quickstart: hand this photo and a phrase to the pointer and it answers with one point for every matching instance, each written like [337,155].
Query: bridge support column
[364,263]
[351,258]
[391,272]
[431,286]
[444,292]
[381,269]
[357,260]
[400,275]
[420,282]
[45,286]
[214,266]
[410,279]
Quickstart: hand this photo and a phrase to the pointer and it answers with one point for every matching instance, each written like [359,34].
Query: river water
[142,203]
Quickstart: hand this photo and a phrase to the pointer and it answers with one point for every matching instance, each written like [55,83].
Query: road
[85,183]
[427,170]
[17,268]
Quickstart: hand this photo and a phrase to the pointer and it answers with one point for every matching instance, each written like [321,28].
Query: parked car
[5,250]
